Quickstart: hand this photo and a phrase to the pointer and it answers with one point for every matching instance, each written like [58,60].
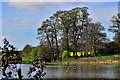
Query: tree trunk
[95,51]
[75,43]
[57,44]
[48,41]
[67,41]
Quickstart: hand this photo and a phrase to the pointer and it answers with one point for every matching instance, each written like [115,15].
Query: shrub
[26,51]
[34,54]
[65,55]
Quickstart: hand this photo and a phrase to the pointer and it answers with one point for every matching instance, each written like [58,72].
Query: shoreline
[83,63]
[98,60]
[95,60]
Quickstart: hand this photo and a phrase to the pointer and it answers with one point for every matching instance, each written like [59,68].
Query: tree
[112,48]
[74,17]
[74,24]
[55,25]
[10,56]
[71,30]
[65,22]
[34,54]
[49,32]
[95,36]
[44,34]
[115,28]
[26,50]
[48,54]
[83,29]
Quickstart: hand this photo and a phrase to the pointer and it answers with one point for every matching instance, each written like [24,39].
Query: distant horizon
[21,20]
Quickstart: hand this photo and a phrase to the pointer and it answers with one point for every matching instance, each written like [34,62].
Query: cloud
[31,5]
[62,0]
[24,24]
[38,4]
[21,23]
[26,5]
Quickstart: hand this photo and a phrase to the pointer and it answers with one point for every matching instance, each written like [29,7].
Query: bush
[26,51]
[93,53]
[34,54]
[65,55]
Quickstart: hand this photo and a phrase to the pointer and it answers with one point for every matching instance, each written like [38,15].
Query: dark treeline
[73,31]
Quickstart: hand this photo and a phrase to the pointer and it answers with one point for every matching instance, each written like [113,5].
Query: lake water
[76,71]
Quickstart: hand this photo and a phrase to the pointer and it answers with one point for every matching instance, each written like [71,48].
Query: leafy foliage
[73,30]
[65,55]
[10,56]
[26,50]
[34,54]
[115,28]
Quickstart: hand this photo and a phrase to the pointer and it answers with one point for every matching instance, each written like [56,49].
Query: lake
[77,72]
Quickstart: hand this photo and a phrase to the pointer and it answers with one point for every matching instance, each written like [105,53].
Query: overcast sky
[20,20]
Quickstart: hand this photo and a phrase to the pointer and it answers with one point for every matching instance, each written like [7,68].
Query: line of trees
[73,30]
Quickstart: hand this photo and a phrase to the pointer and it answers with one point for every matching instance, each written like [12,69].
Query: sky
[20,20]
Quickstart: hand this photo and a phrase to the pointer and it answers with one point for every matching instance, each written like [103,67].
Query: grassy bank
[106,60]
[112,60]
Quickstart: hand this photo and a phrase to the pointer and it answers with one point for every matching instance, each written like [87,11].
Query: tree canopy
[26,50]
[73,30]
[115,28]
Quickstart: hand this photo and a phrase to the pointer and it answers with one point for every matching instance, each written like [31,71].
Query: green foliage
[115,28]
[65,55]
[110,48]
[34,54]
[26,51]
[48,53]
[71,30]
[93,52]
[61,33]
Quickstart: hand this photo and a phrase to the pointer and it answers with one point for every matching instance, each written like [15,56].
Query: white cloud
[21,22]
[38,4]
[27,5]
[32,5]
[62,0]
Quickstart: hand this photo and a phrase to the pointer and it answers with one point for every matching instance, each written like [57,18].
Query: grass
[52,63]
[110,59]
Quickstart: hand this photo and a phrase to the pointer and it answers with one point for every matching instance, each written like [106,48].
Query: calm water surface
[76,71]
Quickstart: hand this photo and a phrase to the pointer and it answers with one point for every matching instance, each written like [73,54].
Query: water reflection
[76,71]
[82,71]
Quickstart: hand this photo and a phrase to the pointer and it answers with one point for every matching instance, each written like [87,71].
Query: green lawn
[113,59]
